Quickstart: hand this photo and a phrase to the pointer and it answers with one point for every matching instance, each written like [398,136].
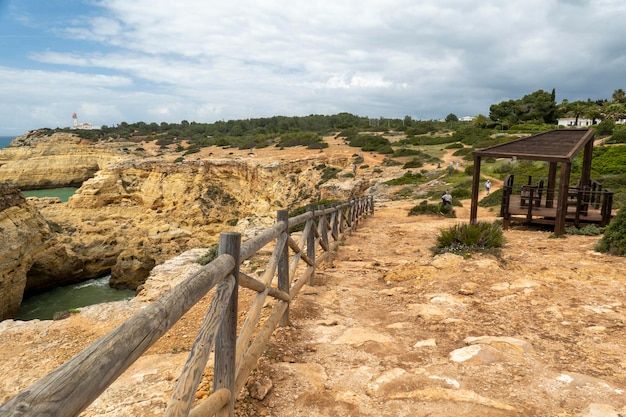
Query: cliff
[36,161]
[139,205]
[24,234]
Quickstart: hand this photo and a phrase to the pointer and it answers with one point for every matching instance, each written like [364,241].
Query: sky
[114,61]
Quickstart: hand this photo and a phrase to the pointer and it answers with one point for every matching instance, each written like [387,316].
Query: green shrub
[425,208]
[470,237]
[588,230]
[494,199]
[413,163]
[619,136]
[308,139]
[614,240]
[407,178]
[209,255]
[388,162]
[328,174]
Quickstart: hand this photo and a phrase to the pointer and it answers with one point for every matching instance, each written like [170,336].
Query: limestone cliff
[132,215]
[135,209]
[36,161]
[24,234]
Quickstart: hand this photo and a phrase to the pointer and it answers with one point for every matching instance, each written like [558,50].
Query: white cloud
[158,60]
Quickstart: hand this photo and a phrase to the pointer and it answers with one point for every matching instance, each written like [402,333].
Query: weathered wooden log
[256,285]
[257,347]
[250,247]
[187,384]
[226,341]
[283,263]
[214,403]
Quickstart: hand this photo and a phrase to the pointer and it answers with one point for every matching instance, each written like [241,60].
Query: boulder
[131,269]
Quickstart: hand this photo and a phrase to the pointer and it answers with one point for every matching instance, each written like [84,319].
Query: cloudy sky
[205,60]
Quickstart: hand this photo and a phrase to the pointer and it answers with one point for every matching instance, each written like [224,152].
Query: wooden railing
[69,389]
[580,199]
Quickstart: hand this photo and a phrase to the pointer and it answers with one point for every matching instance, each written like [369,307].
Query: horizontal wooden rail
[69,389]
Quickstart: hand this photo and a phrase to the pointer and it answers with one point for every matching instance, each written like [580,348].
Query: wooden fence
[69,389]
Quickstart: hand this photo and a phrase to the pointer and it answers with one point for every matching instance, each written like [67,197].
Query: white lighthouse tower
[75,117]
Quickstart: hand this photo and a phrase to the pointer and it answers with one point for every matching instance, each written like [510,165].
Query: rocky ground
[389,329]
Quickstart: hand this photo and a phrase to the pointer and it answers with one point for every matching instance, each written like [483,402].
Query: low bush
[425,208]
[407,178]
[470,237]
[588,230]
[209,255]
[614,239]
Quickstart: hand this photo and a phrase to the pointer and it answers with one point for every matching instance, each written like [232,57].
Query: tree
[619,96]
[539,106]
[452,118]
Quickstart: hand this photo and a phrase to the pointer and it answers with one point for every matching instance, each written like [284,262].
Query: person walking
[446,198]
[488,186]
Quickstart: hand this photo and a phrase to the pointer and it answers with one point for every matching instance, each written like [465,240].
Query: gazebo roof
[554,146]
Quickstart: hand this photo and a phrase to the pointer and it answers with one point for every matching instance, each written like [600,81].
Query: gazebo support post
[585,175]
[551,185]
[561,208]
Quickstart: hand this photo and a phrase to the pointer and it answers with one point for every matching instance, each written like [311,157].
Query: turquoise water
[5,141]
[63,193]
[94,291]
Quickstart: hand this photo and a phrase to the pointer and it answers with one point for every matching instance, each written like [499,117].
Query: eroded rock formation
[39,161]
[136,209]
[25,234]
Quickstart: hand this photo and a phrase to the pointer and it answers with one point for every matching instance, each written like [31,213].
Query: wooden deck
[545,215]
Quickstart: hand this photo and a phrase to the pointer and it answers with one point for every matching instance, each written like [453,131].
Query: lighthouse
[75,117]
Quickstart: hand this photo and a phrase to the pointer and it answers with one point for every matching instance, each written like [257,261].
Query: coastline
[5,141]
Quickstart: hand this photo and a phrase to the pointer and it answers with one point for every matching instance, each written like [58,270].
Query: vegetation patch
[407,178]
[467,238]
[439,209]
[209,256]
[613,241]
[588,230]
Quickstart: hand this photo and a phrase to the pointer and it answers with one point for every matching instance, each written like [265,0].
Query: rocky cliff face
[132,215]
[24,234]
[36,161]
[134,211]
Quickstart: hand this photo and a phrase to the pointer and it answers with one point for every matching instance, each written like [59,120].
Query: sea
[5,141]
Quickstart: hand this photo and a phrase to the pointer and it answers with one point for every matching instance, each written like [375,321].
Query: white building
[571,122]
[83,126]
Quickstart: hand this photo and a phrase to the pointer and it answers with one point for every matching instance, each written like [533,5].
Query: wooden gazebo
[543,203]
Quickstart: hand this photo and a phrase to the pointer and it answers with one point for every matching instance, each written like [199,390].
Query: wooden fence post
[310,241]
[334,227]
[226,341]
[282,216]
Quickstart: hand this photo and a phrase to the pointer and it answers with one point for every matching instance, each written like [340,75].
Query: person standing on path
[488,186]
[446,198]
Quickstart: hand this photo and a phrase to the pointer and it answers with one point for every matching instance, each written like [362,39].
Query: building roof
[560,145]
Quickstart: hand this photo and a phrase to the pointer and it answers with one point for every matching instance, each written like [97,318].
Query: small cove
[94,291]
[64,193]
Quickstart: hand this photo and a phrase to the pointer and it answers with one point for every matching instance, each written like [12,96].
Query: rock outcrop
[136,208]
[39,161]
[25,234]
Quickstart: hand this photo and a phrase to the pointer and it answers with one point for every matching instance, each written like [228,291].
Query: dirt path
[390,330]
